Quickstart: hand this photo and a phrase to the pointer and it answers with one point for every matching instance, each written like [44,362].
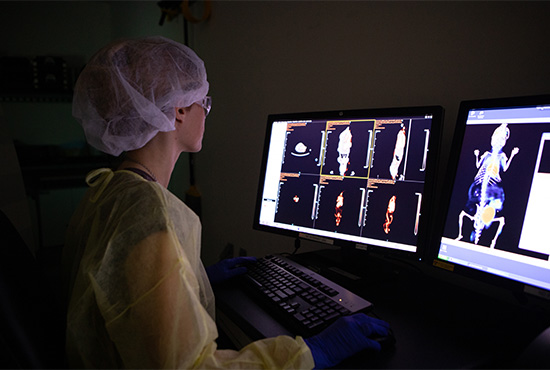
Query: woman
[139,294]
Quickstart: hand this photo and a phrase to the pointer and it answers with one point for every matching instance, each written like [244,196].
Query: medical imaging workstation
[364,183]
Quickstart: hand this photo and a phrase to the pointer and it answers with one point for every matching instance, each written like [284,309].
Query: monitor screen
[496,222]
[360,177]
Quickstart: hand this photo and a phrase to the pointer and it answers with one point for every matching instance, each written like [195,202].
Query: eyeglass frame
[206,104]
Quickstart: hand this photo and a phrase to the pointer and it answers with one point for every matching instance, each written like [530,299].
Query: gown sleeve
[163,324]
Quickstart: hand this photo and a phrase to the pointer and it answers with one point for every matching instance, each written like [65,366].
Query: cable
[297,245]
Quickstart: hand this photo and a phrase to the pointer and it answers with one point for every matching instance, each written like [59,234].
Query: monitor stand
[348,270]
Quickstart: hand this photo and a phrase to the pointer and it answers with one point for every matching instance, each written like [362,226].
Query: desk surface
[436,324]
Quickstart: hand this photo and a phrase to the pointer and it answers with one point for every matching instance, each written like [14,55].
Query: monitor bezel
[437,113]
[518,288]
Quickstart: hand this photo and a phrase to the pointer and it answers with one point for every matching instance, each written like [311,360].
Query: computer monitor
[496,211]
[359,178]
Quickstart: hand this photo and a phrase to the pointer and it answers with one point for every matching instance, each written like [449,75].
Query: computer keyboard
[300,298]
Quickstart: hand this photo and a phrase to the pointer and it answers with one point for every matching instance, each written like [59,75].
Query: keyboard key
[281,295]
[331,316]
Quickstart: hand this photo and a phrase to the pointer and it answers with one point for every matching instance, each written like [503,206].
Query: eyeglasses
[206,104]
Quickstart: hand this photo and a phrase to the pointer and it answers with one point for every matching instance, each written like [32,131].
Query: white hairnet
[129,90]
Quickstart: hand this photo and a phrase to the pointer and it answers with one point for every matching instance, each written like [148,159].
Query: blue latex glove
[344,338]
[228,268]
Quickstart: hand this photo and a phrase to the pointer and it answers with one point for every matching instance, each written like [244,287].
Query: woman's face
[192,128]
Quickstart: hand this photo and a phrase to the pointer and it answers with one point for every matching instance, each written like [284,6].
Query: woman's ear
[180,112]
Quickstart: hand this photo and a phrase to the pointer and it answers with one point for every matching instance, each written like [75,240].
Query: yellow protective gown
[140,296]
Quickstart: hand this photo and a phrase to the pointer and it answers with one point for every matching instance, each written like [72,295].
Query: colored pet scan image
[501,165]
[486,195]
[358,177]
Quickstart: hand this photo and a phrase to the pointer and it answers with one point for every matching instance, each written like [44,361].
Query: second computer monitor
[496,216]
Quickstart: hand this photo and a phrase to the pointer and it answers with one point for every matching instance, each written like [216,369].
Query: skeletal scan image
[486,194]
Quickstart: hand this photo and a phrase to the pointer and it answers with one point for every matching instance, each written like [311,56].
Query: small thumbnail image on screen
[339,209]
[297,199]
[401,151]
[347,148]
[303,148]
[393,212]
